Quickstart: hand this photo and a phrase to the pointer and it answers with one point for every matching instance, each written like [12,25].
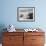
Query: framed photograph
[26,14]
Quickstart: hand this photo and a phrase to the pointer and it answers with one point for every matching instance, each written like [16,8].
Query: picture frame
[26,14]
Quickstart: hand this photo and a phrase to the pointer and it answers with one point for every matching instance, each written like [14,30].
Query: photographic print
[26,14]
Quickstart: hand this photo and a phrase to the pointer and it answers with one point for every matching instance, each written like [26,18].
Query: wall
[8,13]
[8,9]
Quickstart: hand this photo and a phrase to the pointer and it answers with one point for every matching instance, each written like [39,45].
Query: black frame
[31,20]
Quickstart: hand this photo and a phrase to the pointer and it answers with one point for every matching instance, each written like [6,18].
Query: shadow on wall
[2,26]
